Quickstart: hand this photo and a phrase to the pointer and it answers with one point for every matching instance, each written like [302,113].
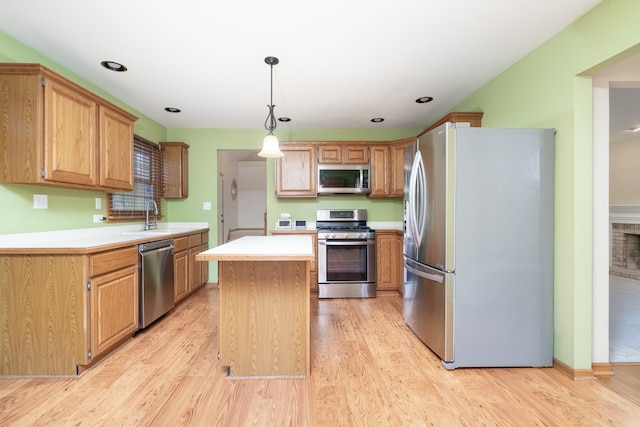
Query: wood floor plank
[367,368]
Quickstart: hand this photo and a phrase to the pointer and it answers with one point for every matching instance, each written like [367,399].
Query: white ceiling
[342,62]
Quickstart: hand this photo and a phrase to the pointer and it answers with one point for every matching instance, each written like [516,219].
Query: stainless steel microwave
[347,179]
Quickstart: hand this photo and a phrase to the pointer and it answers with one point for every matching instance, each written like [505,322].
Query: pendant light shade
[270,145]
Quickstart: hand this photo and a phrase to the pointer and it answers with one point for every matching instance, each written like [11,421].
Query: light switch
[206,206]
[98,203]
[40,201]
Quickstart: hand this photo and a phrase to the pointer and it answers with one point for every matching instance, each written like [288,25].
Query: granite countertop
[87,240]
[262,248]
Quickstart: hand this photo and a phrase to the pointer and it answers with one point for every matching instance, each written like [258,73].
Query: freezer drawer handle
[433,277]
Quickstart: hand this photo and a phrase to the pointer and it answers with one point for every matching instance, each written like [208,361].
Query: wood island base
[264,327]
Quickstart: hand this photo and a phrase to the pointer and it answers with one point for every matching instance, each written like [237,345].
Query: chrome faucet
[147,224]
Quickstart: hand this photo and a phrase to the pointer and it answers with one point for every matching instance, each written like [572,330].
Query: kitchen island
[264,328]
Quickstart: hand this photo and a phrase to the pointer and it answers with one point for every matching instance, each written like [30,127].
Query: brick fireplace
[625,250]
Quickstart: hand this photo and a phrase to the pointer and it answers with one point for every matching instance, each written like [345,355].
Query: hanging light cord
[270,123]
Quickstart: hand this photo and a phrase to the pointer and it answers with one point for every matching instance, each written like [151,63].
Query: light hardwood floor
[368,369]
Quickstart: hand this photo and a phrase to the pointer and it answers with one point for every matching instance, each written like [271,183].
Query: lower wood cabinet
[313,280]
[389,265]
[114,308]
[189,274]
[60,311]
[113,297]
[180,275]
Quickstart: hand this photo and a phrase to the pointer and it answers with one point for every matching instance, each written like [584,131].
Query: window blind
[147,184]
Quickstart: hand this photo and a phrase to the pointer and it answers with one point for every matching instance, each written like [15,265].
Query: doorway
[608,315]
[242,194]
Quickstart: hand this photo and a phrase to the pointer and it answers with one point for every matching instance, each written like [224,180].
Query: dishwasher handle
[157,250]
[158,244]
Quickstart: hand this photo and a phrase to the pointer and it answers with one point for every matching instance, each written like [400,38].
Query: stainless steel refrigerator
[478,245]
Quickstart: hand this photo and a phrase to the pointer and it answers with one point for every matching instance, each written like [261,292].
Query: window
[147,184]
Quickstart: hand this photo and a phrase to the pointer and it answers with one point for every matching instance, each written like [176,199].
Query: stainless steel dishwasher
[156,280]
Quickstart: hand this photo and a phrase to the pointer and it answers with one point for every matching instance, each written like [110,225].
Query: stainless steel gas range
[346,254]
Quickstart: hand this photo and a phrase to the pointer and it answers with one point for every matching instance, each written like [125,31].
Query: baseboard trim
[575,374]
[602,369]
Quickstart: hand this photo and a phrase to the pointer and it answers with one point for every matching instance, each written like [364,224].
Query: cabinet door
[116,150]
[356,154]
[71,136]
[175,164]
[331,154]
[379,171]
[385,261]
[180,275]
[204,266]
[114,308]
[295,172]
[20,144]
[313,268]
[396,178]
[195,270]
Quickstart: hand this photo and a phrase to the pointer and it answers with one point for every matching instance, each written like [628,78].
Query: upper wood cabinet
[116,152]
[343,154]
[473,118]
[175,170]
[58,133]
[396,167]
[296,171]
[387,169]
[380,171]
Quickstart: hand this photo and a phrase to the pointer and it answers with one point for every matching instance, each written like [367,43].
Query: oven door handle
[346,242]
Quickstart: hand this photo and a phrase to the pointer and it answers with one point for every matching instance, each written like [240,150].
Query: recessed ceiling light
[284,119]
[172,109]
[113,66]
[424,99]
[377,120]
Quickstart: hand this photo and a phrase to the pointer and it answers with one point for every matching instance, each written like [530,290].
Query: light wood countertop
[262,248]
[89,240]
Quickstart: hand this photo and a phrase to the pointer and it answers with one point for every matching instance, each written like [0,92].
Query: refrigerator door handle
[419,196]
[414,201]
[433,277]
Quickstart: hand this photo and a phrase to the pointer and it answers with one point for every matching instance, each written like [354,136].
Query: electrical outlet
[99,218]
[40,201]
[98,203]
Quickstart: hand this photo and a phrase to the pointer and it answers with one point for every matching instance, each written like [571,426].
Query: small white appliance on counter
[284,223]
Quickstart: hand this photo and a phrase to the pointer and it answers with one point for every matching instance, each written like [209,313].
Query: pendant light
[270,146]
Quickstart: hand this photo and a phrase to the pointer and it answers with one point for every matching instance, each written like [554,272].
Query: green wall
[550,87]
[203,158]
[68,209]
[203,176]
